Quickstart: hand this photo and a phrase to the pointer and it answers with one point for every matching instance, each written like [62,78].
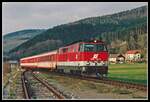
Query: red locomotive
[82,58]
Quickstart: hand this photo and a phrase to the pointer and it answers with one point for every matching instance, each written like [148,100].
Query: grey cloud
[17,16]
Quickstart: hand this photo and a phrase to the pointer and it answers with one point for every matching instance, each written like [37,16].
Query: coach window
[74,50]
[42,58]
[61,51]
[65,50]
[52,58]
[49,58]
[69,49]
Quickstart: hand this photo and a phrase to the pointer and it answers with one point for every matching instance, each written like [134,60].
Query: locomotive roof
[84,40]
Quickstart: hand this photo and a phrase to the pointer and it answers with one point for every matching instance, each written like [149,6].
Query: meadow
[136,73]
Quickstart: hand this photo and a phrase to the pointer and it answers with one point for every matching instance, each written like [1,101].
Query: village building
[112,58]
[13,64]
[121,58]
[116,58]
[133,55]
[9,66]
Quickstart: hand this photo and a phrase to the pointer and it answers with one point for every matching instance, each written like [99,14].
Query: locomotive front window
[100,47]
[92,47]
[89,47]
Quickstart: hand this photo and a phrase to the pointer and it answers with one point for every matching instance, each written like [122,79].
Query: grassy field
[136,73]
[84,89]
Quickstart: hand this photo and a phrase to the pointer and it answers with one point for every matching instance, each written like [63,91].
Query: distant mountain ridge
[12,40]
[128,26]
[22,32]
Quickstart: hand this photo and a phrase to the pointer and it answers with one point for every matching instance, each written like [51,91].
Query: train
[89,58]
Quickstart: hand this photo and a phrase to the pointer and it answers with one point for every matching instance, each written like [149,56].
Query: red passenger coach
[83,58]
[46,60]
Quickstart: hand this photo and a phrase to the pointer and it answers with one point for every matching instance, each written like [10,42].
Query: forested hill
[121,31]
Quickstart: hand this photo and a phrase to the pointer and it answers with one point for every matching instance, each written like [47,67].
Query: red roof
[133,51]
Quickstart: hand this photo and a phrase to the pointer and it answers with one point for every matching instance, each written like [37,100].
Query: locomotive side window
[100,47]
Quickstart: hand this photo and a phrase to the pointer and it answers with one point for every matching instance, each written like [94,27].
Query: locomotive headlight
[88,63]
[94,40]
[104,63]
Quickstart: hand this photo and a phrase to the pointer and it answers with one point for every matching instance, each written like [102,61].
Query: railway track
[50,87]
[117,83]
[25,87]
[38,88]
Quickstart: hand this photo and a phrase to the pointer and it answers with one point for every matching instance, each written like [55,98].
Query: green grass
[136,73]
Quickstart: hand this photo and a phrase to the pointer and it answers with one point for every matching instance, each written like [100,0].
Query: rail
[50,87]
[25,87]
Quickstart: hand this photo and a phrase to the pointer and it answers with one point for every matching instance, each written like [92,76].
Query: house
[13,64]
[116,58]
[121,58]
[112,58]
[133,55]
[6,68]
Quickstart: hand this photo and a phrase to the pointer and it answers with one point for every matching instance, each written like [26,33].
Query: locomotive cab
[94,55]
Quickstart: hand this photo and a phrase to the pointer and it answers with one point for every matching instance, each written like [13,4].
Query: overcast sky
[42,15]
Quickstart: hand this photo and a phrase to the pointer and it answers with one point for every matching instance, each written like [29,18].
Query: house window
[138,56]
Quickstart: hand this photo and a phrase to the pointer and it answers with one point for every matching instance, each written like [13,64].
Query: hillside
[12,40]
[126,29]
